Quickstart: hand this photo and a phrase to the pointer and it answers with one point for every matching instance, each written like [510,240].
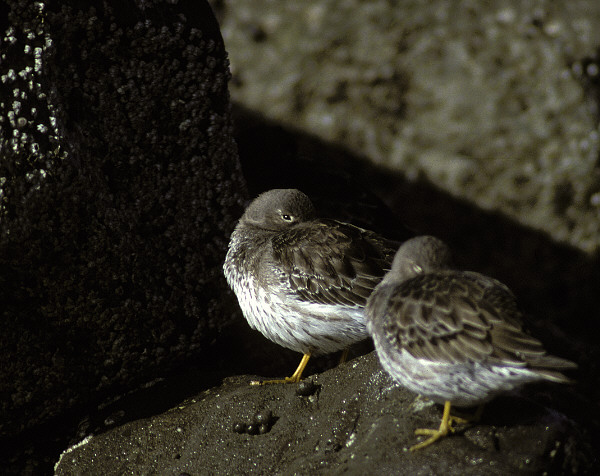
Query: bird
[300,280]
[456,337]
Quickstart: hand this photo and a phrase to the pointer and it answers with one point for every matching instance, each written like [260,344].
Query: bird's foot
[291,379]
[434,435]
[446,426]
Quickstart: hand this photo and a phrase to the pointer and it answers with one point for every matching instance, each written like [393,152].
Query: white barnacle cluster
[27,118]
[23,116]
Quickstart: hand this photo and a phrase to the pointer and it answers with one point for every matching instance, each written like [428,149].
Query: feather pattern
[302,281]
[453,335]
[330,262]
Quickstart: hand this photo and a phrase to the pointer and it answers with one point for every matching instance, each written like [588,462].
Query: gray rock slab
[495,103]
[354,421]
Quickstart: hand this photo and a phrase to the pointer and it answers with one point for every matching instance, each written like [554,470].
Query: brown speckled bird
[301,281]
[455,337]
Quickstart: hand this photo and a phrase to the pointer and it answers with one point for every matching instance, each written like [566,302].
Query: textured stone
[119,188]
[356,422]
[493,103]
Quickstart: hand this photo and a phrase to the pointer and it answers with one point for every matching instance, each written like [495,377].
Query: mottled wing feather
[455,317]
[330,262]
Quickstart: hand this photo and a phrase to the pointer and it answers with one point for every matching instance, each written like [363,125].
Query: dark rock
[240,427]
[119,187]
[253,429]
[306,388]
[263,428]
[359,423]
[264,417]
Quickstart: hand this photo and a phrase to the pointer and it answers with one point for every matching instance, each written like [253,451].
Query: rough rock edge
[355,420]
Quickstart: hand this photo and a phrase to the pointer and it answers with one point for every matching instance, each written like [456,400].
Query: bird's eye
[289,218]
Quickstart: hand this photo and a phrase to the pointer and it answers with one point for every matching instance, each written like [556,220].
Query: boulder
[348,420]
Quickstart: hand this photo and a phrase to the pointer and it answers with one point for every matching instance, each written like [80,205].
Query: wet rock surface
[354,421]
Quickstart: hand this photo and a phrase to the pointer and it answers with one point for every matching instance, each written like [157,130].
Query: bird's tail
[550,367]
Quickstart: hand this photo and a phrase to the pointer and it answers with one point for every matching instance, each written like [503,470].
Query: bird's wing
[454,317]
[331,262]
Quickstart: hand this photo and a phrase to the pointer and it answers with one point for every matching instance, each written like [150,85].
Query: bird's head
[279,209]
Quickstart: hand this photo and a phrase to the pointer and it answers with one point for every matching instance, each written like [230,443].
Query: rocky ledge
[351,419]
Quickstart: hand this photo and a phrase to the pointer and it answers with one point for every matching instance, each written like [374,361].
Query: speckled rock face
[494,103]
[119,187]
